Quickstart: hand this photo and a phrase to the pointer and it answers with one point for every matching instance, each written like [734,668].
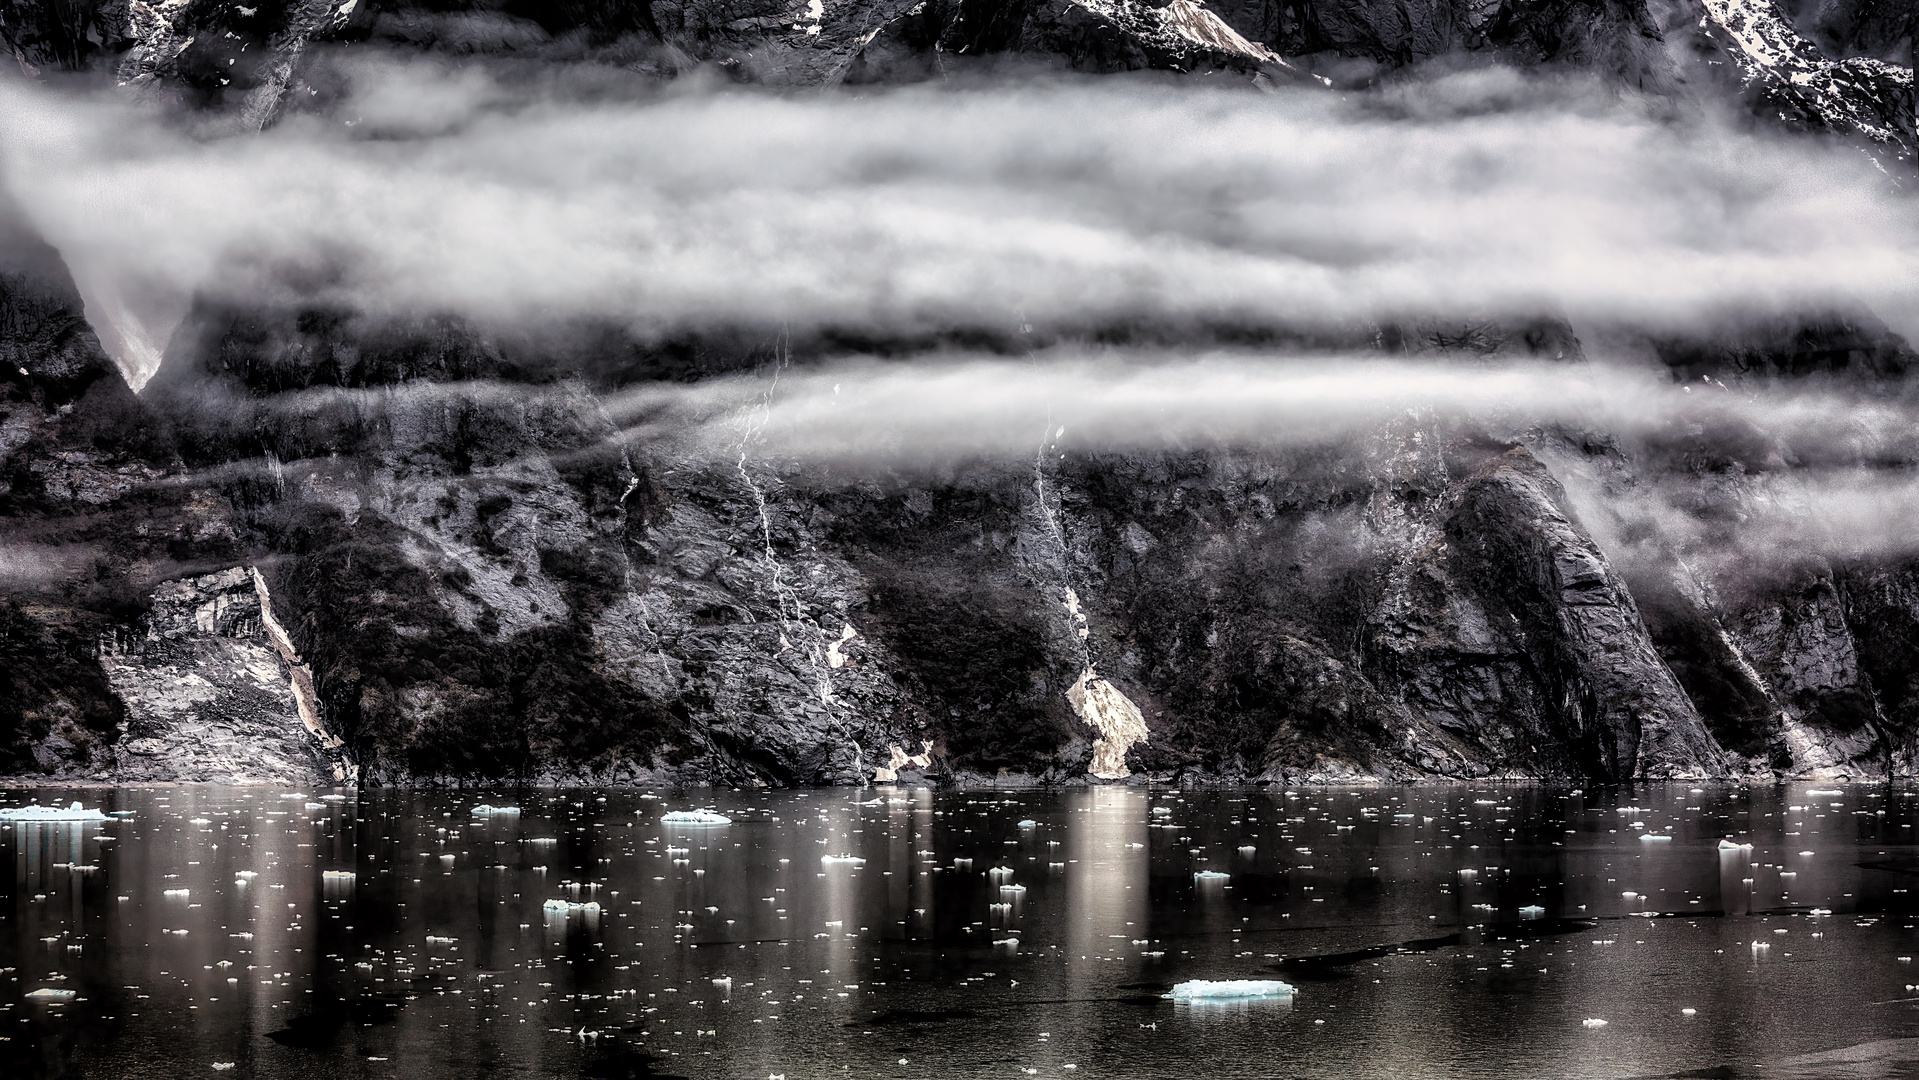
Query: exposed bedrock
[485,580]
[324,542]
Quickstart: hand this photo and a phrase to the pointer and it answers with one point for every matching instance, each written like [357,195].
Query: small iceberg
[1532,911]
[1593,1023]
[1728,845]
[842,860]
[695,817]
[36,812]
[51,993]
[1210,875]
[1028,823]
[1214,989]
[564,907]
[1653,838]
[483,810]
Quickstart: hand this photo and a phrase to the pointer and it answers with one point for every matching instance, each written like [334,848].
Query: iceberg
[1210,989]
[36,812]
[695,817]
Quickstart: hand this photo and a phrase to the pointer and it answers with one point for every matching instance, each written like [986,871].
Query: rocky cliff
[331,542]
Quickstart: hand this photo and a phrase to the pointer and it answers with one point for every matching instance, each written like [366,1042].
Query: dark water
[436,958]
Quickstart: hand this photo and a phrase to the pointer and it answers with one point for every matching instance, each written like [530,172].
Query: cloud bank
[1066,205]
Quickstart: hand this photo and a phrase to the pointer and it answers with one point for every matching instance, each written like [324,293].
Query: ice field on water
[1428,931]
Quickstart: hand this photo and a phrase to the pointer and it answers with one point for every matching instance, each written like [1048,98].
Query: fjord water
[1431,931]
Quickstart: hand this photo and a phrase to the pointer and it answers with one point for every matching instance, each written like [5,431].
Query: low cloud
[1063,205]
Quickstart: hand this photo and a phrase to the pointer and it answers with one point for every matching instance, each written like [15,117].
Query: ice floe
[1212,989]
[35,812]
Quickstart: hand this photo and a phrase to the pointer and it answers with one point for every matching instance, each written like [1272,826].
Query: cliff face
[324,543]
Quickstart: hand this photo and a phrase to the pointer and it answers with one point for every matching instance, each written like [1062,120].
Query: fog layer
[1065,205]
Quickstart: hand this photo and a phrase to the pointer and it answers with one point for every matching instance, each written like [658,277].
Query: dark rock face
[1611,699]
[476,575]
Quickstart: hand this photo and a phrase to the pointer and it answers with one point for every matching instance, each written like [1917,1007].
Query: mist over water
[1453,931]
[1067,205]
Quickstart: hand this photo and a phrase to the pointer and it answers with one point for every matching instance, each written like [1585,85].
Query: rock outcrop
[210,695]
[327,544]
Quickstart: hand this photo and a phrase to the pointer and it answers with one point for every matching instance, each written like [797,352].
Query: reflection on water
[1431,932]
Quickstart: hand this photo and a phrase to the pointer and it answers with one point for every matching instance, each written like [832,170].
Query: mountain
[341,532]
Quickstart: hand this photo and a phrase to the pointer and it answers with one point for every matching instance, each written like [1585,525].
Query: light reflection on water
[1431,932]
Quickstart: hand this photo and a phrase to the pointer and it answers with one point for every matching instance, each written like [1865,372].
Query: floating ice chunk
[1210,875]
[842,860]
[1028,823]
[1248,850]
[1828,791]
[1000,874]
[695,817]
[1729,845]
[35,812]
[1593,1023]
[1531,911]
[483,810]
[1805,853]
[222,1066]
[51,993]
[1204,989]
[1654,837]
[1689,1012]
